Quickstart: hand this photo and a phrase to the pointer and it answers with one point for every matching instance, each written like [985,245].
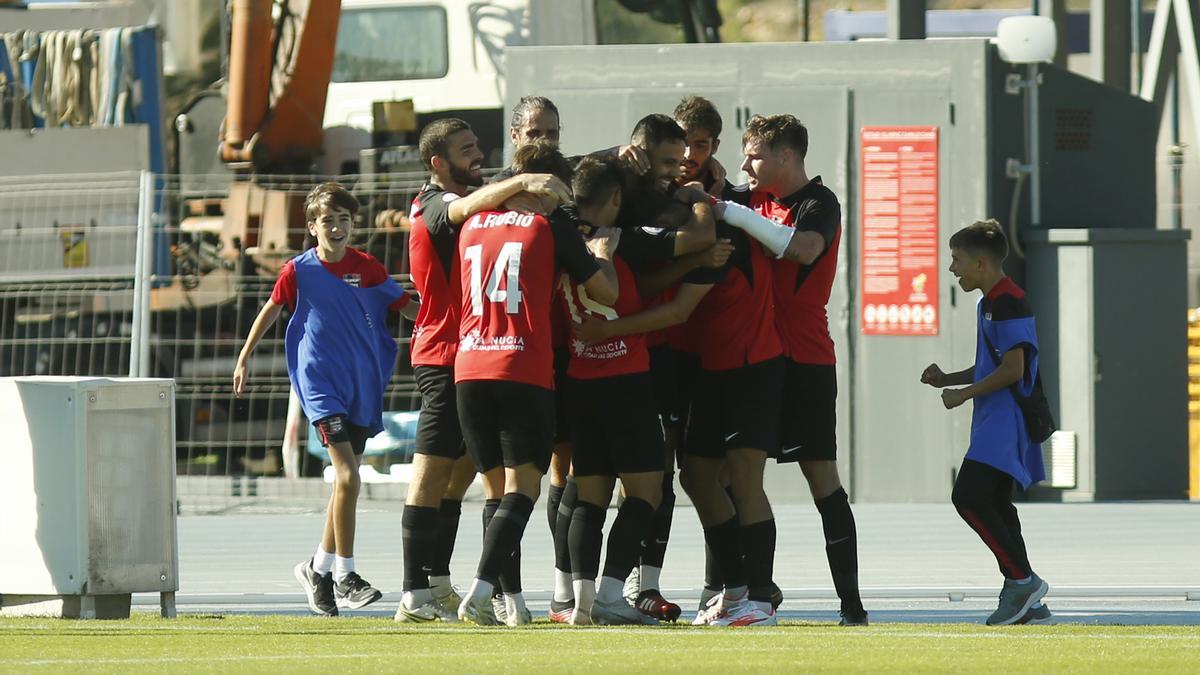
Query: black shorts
[506,423]
[664,381]
[438,431]
[562,425]
[687,371]
[736,408]
[337,429]
[614,426]
[809,416]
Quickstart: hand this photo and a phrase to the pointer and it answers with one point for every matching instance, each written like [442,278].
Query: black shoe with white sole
[354,592]
[318,588]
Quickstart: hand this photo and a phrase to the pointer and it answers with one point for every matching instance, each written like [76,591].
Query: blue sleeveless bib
[339,353]
[998,435]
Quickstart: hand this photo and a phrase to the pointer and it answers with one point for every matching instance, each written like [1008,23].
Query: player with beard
[798,220]
[662,220]
[672,229]
[701,124]
[441,472]
[735,417]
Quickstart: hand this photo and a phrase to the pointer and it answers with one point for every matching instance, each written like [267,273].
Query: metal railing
[136,274]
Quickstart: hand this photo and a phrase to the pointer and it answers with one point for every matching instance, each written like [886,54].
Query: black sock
[510,573]
[509,580]
[713,579]
[553,497]
[586,538]
[489,511]
[445,534]
[841,548]
[417,526]
[490,508]
[634,521]
[723,541]
[758,541]
[503,536]
[655,550]
[562,545]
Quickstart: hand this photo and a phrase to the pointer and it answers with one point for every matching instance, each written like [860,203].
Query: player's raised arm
[671,313]
[699,231]
[604,286]
[653,282]
[494,195]
[781,240]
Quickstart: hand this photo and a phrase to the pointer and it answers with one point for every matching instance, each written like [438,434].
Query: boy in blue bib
[340,358]
[1001,450]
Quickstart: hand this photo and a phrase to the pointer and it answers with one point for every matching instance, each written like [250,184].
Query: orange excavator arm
[297,51]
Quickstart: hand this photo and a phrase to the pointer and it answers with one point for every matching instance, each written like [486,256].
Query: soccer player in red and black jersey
[614,429]
[509,263]
[734,420]
[441,472]
[799,220]
[701,122]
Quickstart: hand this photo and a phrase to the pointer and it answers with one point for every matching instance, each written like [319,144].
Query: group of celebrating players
[600,317]
[611,316]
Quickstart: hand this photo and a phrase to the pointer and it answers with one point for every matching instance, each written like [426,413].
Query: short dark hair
[697,112]
[435,138]
[326,197]
[595,180]
[654,129]
[776,130]
[985,237]
[541,156]
[529,105]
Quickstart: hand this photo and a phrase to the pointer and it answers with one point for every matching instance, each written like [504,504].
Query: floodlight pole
[1111,43]
[906,19]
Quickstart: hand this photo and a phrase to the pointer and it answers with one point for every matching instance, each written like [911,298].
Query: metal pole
[135,351]
[1176,158]
[804,7]
[1135,9]
[149,192]
[1035,141]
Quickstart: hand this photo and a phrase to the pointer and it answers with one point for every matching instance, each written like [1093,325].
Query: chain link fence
[71,304]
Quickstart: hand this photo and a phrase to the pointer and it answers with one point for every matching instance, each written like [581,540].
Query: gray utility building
[915,138]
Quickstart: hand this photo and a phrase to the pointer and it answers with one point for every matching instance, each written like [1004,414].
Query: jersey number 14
[507,268]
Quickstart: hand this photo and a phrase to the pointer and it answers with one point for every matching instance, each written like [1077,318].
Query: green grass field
[302,644]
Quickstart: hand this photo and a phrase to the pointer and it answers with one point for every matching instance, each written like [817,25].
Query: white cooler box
[87,495]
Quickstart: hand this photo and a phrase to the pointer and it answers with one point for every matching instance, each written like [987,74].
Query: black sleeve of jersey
[611,153]
[435,210]
[1008,307]
[739,194]
[740,256]
[705,275]
[570,251]
[822,217]
[645,246]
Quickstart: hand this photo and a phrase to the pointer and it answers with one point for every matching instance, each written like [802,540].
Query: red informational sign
[899,231]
